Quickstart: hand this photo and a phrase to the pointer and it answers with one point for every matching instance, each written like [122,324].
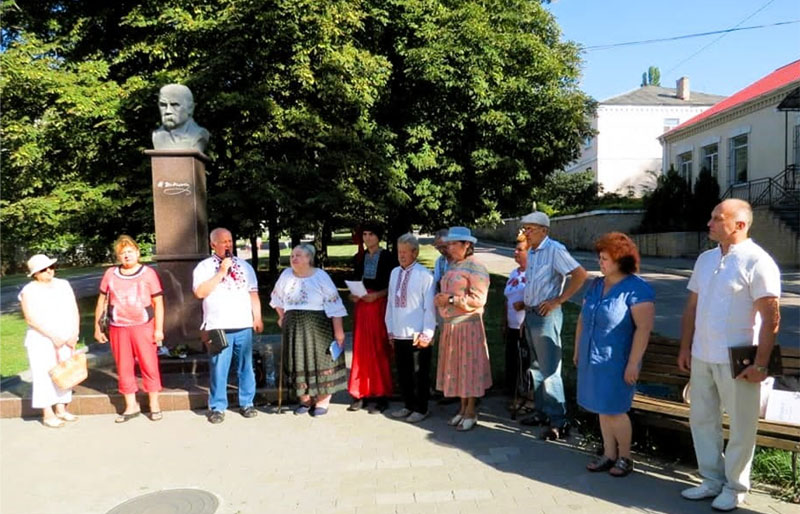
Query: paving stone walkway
[344,462]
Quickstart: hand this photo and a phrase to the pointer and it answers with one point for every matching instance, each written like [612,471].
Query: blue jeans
[240,346]
[543,334]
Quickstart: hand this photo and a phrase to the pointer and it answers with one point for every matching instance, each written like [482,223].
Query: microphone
[229,255]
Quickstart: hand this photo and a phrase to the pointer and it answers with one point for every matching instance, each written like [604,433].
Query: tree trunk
[398,225]
[321,259]
[274,243]
[254,252]
[296,236]
[326,239]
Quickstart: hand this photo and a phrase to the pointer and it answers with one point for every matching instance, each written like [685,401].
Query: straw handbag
[71,372]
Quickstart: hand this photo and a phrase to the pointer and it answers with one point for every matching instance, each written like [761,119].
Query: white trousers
[712,390]
[42,358]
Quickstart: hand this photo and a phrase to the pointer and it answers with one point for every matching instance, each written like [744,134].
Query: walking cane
[280,381]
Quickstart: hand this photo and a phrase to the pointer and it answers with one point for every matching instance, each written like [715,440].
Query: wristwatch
[451,300]
[761,369]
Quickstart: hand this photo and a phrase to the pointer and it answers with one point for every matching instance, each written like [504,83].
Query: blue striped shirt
[548,267]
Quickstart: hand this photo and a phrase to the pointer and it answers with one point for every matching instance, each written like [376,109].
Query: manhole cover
[173,501]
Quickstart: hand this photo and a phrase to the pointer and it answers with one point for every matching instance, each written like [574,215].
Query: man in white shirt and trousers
[733,301]
[228,287]
[410,322]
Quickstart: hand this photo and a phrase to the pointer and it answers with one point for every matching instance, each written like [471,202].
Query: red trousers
[136,343]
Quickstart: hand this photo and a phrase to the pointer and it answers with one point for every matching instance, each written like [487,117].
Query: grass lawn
[14,358]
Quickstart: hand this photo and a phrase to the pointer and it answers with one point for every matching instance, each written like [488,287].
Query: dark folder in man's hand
[743,356]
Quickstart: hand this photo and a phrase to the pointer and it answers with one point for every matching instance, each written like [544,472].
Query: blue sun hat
[459,234]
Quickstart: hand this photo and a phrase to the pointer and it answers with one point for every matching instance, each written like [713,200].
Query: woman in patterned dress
[310,313]
[463,368]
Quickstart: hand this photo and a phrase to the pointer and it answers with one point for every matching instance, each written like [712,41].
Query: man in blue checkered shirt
[549,265]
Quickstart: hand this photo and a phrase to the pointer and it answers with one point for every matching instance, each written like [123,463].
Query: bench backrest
[660,362]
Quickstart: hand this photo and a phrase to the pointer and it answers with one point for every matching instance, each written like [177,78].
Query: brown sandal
[623,466]
[600,464]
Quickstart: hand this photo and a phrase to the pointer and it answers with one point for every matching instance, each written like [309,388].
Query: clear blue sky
[730,64]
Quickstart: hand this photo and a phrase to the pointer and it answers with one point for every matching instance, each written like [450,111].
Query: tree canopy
[423,112]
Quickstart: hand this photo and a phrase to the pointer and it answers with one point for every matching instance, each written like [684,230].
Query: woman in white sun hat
[51,313]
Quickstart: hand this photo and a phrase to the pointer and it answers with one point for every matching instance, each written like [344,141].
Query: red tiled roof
[778,78]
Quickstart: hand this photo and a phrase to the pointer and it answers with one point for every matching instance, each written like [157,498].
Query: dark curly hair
[621,249]
[374,227]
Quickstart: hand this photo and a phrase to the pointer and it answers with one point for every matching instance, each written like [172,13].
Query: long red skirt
[370,374]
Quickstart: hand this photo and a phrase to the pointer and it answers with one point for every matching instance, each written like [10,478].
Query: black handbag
[215,340]
[105,319]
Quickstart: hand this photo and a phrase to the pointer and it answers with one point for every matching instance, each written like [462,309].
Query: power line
[720,37]
[686,36]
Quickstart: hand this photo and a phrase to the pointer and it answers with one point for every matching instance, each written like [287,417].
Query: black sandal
[624,465]
[602,463]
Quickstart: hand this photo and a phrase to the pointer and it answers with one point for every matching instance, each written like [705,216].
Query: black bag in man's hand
[214,340]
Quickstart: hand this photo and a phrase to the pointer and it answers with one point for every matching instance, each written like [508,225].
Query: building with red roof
[742,138]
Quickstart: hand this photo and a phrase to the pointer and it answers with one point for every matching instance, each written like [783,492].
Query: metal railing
[784,189]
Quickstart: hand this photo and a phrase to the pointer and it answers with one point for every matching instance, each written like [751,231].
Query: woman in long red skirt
[371,374]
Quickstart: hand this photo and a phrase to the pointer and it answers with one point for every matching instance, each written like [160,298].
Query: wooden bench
[660,401]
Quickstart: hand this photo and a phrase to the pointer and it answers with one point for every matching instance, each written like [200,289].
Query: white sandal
[455,420]
[53,422]
[467,424]
[67,416]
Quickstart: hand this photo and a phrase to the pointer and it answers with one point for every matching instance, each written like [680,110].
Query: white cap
[536,218]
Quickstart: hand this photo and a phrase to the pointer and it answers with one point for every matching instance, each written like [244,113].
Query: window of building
[685,166]
[710,157]
[670,123]
[737,159]
[796,145]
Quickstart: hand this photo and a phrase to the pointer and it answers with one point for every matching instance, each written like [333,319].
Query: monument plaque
[181,222]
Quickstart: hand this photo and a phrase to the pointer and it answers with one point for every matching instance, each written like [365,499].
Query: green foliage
[773,466]
[705,198]
[321,113]
[567,192]
[667,206]
[672,206]
[652,77]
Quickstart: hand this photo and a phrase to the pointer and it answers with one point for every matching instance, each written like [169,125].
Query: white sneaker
[416,417]
[400,413]
[727,500]
[705,490]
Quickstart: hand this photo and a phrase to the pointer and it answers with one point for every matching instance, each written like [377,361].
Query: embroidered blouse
[409,311]
[316,292]
[375,269]
[515,292]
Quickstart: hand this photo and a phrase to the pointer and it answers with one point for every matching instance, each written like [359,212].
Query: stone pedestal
[181,220]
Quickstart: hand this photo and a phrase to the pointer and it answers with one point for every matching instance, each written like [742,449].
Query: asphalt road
[670,289]
[669,285]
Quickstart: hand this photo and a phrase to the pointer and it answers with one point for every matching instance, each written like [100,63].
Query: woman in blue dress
[610,340]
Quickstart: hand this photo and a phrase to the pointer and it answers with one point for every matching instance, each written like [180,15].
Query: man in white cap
[549,265]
